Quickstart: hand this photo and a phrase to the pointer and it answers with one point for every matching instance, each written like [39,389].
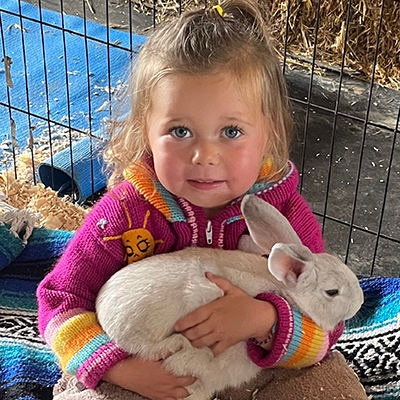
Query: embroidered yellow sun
[139,243]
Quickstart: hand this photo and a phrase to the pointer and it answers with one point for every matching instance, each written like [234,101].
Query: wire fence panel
[63,62]
[347,153]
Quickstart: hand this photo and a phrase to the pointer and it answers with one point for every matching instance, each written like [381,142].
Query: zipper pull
[209,232]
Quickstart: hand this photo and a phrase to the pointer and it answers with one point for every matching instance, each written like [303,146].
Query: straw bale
[361,35]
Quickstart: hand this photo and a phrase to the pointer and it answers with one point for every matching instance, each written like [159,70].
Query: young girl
[209,123]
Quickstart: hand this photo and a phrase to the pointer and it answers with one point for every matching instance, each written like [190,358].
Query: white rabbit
[139,305]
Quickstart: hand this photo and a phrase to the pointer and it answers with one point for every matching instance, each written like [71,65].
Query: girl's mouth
[205,184]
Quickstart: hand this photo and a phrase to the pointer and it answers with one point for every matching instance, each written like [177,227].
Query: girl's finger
[218,347]
[205,341]
[180,393]
[185,381]
[197,332]
[221,282]
[192,319]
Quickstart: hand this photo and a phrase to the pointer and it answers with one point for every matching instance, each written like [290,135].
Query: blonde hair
[206,42]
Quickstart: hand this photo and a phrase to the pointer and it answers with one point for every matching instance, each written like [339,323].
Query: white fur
[140,304]
[22,221]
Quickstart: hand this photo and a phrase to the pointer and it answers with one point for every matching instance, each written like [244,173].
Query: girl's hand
[148,378]
[228,320]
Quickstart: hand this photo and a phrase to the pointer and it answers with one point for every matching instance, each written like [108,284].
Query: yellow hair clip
[219,9]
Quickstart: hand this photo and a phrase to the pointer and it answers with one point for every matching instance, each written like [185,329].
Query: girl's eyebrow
[174,120]
[239,120]
[225,118]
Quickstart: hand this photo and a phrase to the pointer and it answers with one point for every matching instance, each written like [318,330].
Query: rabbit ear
[293,265]
[247,244]
[267,226]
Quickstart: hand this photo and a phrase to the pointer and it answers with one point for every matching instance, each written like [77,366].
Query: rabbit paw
[169,346]
[197,392]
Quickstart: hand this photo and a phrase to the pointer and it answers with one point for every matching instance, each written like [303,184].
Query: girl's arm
[297,342]
[67,295]
[67,318]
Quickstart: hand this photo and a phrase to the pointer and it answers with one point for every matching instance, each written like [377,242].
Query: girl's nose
[206,154]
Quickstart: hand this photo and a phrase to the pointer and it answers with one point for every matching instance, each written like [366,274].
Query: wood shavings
[13,134]
[22,193]
[254,394]
[90,6]
[30,139]
[55,212]
[39,147]
[7,66]
[104,89]
[16,26]
[118,26]
[102,107]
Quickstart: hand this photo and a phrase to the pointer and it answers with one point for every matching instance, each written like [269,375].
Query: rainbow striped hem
[308,345]
[74,336]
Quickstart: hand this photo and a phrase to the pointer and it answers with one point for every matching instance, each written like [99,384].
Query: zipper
[209,232]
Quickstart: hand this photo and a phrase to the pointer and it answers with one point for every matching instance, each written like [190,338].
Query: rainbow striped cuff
[299,342]
[81,345]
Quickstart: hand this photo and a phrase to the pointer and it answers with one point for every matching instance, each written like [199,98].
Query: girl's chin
[211,208]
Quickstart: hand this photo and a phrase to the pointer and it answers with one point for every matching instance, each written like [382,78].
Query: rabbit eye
[332,292]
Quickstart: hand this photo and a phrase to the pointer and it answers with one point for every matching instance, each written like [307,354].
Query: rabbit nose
[355,305]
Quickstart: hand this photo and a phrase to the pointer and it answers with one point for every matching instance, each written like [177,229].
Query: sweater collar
[170,205]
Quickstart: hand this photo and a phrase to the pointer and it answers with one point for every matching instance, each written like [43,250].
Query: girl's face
[207,141]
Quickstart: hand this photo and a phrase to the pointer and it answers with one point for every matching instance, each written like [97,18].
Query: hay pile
[361,36]
[362,32]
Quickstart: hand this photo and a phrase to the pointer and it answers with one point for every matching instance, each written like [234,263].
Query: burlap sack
[331,379]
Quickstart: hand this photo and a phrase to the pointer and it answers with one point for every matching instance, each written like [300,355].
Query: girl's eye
[181,132]
[232,132]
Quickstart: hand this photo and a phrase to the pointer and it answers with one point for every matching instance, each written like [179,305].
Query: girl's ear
[266,167]
[267,226]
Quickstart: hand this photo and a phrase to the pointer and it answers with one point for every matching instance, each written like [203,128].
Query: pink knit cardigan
[159,222]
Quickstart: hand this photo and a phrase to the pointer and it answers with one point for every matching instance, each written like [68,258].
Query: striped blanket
[27,367]
[28,371]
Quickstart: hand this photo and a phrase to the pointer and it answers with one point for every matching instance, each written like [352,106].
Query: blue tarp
[50,65]
[67,69]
